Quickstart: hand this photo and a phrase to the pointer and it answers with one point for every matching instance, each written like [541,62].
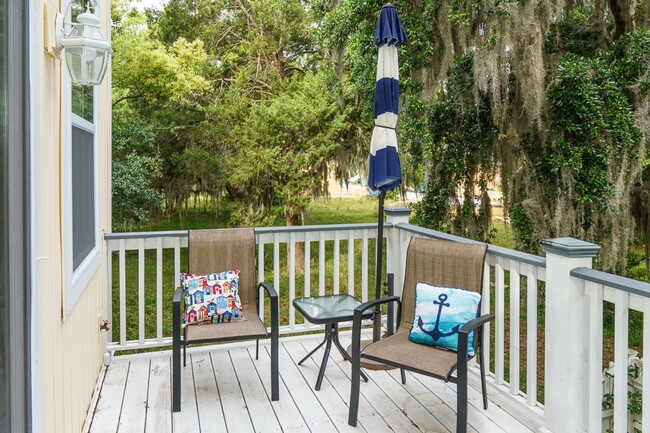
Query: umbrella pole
[376,326]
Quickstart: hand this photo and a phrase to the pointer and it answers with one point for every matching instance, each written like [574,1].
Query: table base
[331,336]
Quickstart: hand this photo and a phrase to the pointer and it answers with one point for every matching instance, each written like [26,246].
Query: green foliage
[287,141]
[134,173]
[236,111]
[133,196]
[574,34]
[523,227]
[459,138]
[254,102]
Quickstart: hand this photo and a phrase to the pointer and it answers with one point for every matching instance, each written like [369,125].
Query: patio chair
[211,251]
[443,264]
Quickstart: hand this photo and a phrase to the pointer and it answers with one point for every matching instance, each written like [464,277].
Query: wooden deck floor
[224,389]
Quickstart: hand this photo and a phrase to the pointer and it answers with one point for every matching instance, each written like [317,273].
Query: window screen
[83,195]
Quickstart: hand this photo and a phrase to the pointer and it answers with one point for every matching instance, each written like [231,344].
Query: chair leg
[403,373]
[461,395]
[257,349]
[483,384]
[355,376]
[275,374]
[176,361]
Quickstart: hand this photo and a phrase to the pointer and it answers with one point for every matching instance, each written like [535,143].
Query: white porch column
[566,336]
[395,252]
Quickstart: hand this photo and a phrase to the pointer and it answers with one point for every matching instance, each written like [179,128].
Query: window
[81,190]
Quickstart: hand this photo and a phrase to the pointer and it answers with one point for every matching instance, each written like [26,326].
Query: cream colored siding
[72,345]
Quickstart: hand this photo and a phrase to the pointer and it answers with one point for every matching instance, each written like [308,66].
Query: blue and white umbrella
[384,173]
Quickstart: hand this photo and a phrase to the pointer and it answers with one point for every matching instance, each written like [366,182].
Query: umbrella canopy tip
[388,5]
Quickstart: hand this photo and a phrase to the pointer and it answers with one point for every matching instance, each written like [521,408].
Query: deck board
[225,389]
[134,405]
[159,420]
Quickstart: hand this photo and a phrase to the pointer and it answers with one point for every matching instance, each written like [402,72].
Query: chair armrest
[177,308]
[475,323]
[375,302]
[275,306]
[358,312]
[273,294]
[358,316]
[463,335]
[178,295]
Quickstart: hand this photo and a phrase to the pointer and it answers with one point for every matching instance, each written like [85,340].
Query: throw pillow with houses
[212,298]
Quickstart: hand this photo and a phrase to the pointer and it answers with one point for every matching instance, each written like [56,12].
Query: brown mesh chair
[212,251]
[440,263]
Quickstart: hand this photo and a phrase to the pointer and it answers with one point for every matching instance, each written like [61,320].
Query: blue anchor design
[435,333]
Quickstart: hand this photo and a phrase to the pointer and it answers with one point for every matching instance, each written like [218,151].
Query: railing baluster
[122,261]
[485,309]
[351,263]
[321,264]
[159,290]
[499,325]
[514,327]
[109,289]
[260,277]
[622,317]
[531,335]
[337,262]
[307,272]
[645,409]
[595,293]
[364,266]
[177,262]
[292,279]
[141,290]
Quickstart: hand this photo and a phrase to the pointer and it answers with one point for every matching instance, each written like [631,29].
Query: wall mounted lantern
[87,51]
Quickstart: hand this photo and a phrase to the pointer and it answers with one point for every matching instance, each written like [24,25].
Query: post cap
[570,247]
[398,211]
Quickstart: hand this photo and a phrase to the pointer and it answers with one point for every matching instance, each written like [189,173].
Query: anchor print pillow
[440,312]
[212,298]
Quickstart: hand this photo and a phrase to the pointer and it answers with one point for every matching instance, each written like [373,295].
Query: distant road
[355,190]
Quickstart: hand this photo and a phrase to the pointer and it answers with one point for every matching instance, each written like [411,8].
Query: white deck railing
[626,295]
[157,253]
[521,288]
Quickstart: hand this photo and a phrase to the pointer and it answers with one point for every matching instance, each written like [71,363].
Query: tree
[551,97]
[285,146]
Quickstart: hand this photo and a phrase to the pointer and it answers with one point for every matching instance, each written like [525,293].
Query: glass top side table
[329,310]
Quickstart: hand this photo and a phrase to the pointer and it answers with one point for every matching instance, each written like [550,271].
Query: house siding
[71,348]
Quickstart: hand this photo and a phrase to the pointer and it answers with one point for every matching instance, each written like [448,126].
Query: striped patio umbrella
[384,171]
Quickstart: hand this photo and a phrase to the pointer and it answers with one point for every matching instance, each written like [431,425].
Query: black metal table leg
[315,349]
[331,336]
[326,355]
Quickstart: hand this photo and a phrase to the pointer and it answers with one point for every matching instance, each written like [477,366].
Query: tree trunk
[623,11]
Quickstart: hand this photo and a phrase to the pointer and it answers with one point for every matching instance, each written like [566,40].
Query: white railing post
[395,257]
[566,336]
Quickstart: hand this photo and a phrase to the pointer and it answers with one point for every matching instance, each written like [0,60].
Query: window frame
[76,280]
